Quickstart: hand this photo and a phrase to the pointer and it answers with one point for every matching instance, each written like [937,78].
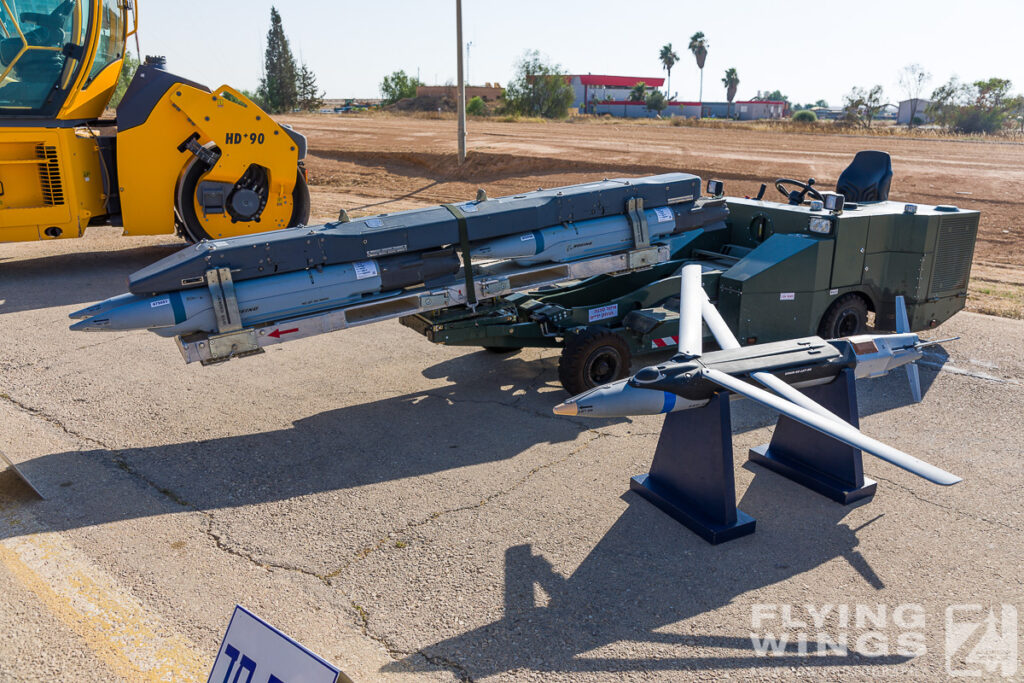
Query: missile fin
[691,331]
[845,433]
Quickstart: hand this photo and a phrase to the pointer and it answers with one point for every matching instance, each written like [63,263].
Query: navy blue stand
[819,462]
[692,480]
[691,477]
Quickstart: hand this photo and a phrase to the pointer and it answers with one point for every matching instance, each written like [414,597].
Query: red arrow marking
[276,334]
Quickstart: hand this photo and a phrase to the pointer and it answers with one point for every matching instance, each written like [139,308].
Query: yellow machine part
[150,165]
[51,183]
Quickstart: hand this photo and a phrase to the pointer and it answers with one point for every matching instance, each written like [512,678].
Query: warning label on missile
[159,302]
[365,269]
[603,312]
[663,213]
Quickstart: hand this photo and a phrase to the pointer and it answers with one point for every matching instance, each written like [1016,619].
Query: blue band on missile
[670,402]
[538,241]
[178,306]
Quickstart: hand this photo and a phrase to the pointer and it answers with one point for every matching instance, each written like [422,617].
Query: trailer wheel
[502,350]
[592,358]
[846,316]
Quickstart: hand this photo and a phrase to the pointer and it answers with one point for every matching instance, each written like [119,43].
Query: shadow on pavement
[74,278]
[648,573]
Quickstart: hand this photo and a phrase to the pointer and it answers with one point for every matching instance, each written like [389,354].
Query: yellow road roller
[178,156]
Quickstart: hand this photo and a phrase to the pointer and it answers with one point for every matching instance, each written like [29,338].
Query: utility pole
[462,83]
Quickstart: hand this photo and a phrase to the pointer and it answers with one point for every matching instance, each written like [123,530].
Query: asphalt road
[415,512]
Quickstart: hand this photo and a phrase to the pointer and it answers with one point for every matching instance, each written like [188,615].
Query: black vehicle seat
[867,178]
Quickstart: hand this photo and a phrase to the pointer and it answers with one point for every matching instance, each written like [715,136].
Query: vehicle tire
[185,208]
[502,350]
[592,358]
[848,315]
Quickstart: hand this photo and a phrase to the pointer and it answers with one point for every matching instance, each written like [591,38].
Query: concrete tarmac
[415,512]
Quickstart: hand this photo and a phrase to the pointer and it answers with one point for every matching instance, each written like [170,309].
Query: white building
[911,109]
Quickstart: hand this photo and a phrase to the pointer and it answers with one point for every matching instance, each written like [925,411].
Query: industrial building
[602,94]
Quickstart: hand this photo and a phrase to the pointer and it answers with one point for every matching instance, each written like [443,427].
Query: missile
[189,308]
[692,378]
[800,363]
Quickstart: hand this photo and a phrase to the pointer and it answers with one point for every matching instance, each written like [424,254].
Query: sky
[809,51]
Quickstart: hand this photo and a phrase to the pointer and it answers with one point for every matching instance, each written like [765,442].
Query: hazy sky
[809,50]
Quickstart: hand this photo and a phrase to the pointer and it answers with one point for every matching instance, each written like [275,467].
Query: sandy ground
[378,164]
[415,512]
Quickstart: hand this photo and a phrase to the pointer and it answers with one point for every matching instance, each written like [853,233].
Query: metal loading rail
[489,281]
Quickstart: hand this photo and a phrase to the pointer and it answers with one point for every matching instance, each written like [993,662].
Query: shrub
[805,116]
[476,107]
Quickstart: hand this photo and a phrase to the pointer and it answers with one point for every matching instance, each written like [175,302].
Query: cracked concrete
[412,511]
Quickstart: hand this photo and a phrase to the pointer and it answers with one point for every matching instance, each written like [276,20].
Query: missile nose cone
[566,408]
[91,325]
[102,306]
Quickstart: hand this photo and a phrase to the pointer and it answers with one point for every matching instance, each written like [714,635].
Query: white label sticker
[469,208]
[787,296]
[833,292]
[603,312]
[664,214]
[374,223]
[526,238]
[222,244]
[159,302]
[365,269]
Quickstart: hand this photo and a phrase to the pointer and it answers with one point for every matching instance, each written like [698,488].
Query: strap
[467,263]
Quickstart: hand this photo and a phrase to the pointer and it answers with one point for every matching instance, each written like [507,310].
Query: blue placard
[253,651]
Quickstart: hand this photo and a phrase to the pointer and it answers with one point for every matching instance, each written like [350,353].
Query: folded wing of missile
[692,378]
[230,297]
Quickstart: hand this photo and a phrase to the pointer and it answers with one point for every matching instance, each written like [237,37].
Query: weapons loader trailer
[816,263]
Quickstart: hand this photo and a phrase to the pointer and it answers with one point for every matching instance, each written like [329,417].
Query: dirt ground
[375,164]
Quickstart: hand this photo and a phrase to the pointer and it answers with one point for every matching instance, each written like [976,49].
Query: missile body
[571,241]
[678,384]
[262,300]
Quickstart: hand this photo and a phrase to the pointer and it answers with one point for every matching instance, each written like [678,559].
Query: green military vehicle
[815,263]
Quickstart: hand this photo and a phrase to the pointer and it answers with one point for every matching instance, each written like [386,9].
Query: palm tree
[699,47]
[638,93]
[730,82]
[668,59]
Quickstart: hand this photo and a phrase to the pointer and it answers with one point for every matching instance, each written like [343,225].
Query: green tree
[128,68]
[805,116]
[278,91]
[538,88]
[668,59]
[699,47]
[979,107]
[398,86]
[656,101]
[773,96]
[476,106]
[731,82]
[821,103]
[310,97]
[913,79]
[862,106]
[638,93]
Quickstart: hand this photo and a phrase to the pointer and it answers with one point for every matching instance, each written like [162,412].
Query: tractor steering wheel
[797,197]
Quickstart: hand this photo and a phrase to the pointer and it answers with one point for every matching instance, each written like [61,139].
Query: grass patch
[993,297]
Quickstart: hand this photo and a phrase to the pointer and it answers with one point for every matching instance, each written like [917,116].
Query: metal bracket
[225,305]
[638,221]
[494,287]
[232,345]
[433,300]
[642,258]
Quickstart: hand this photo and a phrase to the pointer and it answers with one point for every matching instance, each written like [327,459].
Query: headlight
[820,225]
